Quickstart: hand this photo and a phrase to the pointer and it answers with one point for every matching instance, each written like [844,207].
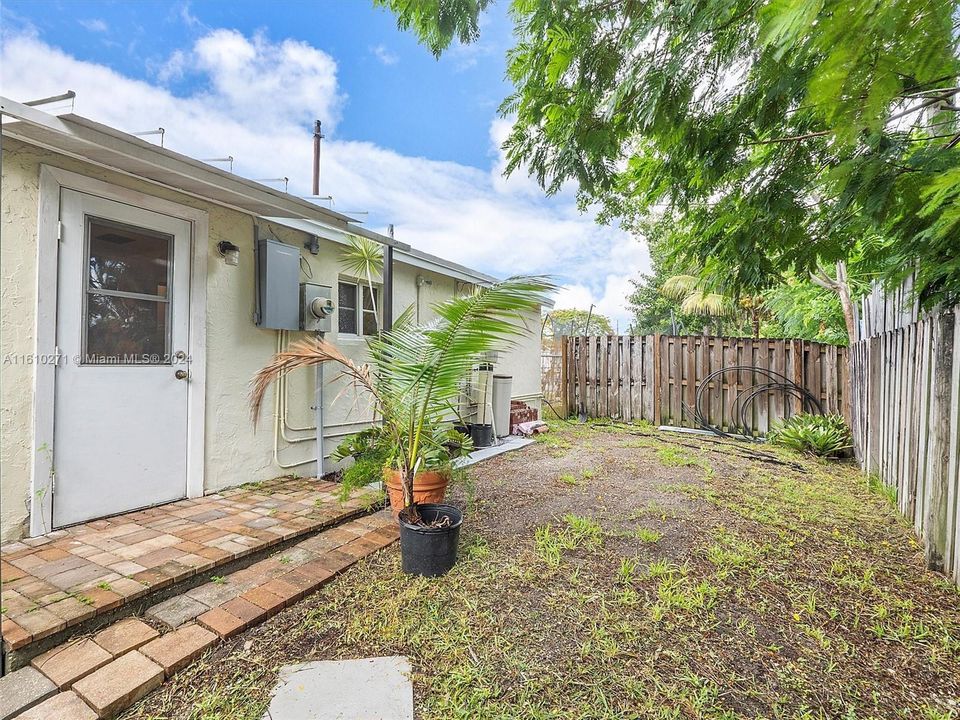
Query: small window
[356,312]
[369,312]
[347,303]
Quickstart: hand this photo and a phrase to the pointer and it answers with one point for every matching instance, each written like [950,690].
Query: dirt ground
[618,572]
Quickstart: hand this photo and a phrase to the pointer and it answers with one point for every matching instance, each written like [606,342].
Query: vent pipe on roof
[317,137]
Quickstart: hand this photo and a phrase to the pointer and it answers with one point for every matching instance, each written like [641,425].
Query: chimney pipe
[317,137]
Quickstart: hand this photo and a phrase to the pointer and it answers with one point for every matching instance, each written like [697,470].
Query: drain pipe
[284,390]
[319,402]
[276,435]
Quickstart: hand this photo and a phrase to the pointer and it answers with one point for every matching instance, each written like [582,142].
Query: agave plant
[823,435]
[415,373]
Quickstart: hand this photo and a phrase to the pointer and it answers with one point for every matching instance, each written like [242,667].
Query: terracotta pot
[429,486]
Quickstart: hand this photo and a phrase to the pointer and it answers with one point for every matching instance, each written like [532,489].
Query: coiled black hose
[745,399]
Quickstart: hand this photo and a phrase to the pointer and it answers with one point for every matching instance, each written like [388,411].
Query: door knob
[181,374]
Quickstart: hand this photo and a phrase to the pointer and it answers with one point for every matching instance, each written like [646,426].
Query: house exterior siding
[234,451]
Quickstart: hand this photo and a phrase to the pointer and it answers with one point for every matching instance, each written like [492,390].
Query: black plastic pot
[482,435]
[430,551]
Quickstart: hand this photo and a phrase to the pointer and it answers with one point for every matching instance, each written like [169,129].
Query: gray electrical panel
[316,307]
[278,285]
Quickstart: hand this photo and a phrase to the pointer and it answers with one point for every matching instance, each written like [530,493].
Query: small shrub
[821,435]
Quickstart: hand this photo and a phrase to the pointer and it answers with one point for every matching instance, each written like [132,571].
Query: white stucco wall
[234,452]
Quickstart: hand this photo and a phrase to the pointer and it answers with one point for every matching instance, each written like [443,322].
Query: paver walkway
[61,579]
[99,676]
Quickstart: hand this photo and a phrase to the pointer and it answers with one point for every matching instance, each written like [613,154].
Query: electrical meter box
[316,307]
[278,279]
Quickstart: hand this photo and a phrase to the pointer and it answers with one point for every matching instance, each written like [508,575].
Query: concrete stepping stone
[22,689]
[367,689]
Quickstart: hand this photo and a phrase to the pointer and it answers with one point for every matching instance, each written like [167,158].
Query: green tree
[574,322]
[775,134]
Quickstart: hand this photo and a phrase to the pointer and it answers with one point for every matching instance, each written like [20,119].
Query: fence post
[564,369]
[656,379]
[942,393]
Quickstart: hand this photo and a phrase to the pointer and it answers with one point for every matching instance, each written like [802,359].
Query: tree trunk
[841,287]
[843,290]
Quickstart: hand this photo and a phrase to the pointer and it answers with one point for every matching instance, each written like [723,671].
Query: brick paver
[22,689]
[221,622]
[96,567]
[63,706]
[118,685]
[176,611]
[179,648]
[126,635]
[66,664]
[122,663]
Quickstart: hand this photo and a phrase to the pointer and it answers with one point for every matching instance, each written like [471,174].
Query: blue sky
[411,139]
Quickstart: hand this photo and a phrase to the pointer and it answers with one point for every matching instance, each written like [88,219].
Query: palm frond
[306,353]
[707,303]
[678,287]
[362,257]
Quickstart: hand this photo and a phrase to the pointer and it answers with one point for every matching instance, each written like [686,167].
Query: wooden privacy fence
[906,417]
[655,378]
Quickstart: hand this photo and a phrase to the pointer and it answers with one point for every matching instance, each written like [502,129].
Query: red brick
[221,622]
[14,636]
[103,600]
[263,598]
[288,592]
[51,554]
[175,650]
[124,636]
[245,611]
[72,611]
[40,623]
[9,573]
[305,583]
[118,685]
[334,560]
[67,663]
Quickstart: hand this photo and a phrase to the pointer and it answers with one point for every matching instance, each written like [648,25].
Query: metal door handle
[181,374]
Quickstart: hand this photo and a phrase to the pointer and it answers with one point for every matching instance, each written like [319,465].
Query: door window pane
[127,308]
[128,259]
[126,331]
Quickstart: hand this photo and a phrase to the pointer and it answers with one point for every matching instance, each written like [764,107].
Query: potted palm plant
[414,379]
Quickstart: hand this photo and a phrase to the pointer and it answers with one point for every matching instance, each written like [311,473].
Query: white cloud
[257,100]
[187,17]
[384,55]
[95,25]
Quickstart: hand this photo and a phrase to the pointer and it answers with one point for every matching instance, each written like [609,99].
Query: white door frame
[52,181]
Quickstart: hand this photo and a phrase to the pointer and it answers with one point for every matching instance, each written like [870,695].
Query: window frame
[360,290]
[165,301]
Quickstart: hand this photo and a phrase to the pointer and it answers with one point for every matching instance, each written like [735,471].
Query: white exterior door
[121,387]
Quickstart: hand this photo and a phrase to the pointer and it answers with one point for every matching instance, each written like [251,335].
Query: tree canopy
[773,136]
[574,322]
